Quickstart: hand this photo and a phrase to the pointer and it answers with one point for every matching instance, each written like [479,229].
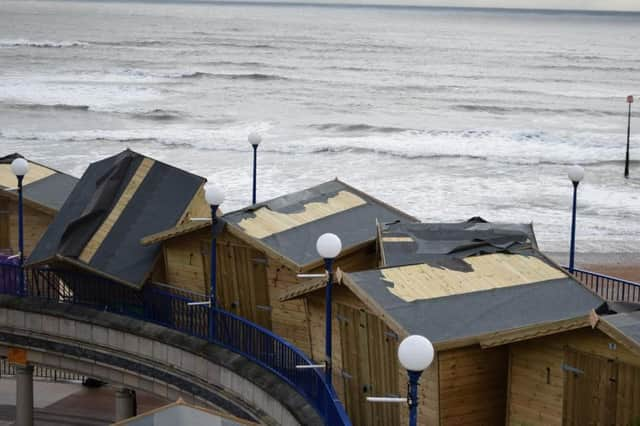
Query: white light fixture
[254,138]
[19,167]
[329,246]
[576,173]
[213,195]
[415,353]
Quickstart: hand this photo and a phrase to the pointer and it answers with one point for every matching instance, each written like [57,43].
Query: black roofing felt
[353,226]
[459,240]
[158,204]
[627,323]
[51,191]
[466,315]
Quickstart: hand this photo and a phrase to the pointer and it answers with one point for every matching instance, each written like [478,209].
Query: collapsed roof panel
[118,201]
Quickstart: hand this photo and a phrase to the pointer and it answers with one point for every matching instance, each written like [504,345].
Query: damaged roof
[42,185]
[450,299]
[291,224]
[407,243]
[624,327]
[118,201]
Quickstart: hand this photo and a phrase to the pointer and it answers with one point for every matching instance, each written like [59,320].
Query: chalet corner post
[329,247]
[20,167]
[626,162]
[214,197]
[576,173]
[254,140]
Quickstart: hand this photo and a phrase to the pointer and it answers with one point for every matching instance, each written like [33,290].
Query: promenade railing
[169,307]
[609,288]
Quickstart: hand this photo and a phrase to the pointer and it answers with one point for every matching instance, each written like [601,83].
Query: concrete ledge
[164,360]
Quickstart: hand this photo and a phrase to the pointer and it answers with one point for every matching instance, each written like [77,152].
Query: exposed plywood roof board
[117,202]
[291,224]
[42,185]
[267,222]
[479,311]
[424,281]
[407,243]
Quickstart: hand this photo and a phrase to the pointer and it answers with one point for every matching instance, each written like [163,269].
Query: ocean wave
[41,43]
[46,107]
[500,110]
[575,67]
[249,76]
[159,115]
[360,127]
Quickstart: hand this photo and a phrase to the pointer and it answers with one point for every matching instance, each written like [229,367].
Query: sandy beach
[619,265]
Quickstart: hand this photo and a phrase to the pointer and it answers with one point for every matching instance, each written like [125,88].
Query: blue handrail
[609,288]
[168,307]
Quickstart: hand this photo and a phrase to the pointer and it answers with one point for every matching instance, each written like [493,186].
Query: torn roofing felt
[447,305]
[42,185]
[291,224]
[118,201]
[407,243]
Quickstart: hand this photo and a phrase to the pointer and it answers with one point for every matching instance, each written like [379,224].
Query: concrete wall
[147,357]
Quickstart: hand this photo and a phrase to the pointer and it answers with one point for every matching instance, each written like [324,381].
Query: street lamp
[214,197]
[254,140]
[576,173]
[415,354]
[20,168]
[626,163]
[328,246]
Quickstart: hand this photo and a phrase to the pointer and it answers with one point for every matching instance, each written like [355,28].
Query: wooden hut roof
[623,327]
[117,201]
[406,243]
[287,227]
[43,187]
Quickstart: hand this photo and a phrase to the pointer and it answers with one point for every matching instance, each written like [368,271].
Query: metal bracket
[264,308]
[567,367]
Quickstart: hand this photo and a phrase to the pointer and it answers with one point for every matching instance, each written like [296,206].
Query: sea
[444,113]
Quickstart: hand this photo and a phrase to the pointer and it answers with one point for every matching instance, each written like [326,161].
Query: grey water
[444,113]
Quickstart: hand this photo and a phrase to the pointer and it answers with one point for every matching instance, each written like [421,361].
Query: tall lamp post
[328,246]
[214,197]
[626,162]
[20,167]
[415,354]
[576,173]
[254,140]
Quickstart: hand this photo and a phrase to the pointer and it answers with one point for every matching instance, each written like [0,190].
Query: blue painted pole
[212,295]
[572,250]
[626,162]
[328,326]
[255,170]
[414,378]
[22,290]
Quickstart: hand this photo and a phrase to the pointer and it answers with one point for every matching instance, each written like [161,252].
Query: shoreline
[619,265]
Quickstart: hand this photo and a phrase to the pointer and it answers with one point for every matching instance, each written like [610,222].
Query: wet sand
[619,265]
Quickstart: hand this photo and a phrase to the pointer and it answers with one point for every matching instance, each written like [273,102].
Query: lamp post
[626,162]
[328,246]
[20,167]
[214,197]
[254,140]
[576,173]
[415,354]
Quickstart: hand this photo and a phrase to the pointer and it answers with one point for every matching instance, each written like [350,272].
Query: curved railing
[168,306]
[609,288]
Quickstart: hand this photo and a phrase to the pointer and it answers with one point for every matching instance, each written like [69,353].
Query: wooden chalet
[118,201]
[262,248]
[518,341]
[44,192]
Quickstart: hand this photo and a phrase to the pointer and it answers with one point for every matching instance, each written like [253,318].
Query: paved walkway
[68,403]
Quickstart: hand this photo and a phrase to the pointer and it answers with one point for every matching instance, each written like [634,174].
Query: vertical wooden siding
[473,386]
[36,223]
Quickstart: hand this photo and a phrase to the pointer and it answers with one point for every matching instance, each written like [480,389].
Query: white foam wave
[6,43]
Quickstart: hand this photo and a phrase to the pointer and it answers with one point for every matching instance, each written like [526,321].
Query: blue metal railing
[167,306]
[609,288]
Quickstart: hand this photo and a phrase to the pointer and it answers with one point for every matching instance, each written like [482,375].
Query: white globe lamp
[576,173]
[19,167]
[254,138]
[329,246]
[415,353]
[213,195]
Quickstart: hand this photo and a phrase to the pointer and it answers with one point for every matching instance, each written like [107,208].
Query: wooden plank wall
[184,263]
[5,245]
[473,386]
[537,380]
[36,223]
